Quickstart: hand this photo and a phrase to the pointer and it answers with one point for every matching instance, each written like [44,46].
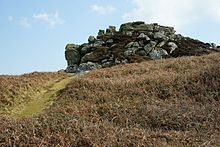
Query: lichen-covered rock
[161,36]
[72,56]
[91,39]
[134,42]
[150,46]
[172,46]
[158,53]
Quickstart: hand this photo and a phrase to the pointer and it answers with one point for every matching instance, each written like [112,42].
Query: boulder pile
[134,42]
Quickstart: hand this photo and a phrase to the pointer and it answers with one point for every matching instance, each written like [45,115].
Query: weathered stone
[129,45]
[117,61]
[126,27]
[137,23]
[158,53]
[71,69]
[145,27]
[86,49]
[109,41]
[91,39]
[88,58]
[101,32]
[98,43]
[124,61]
[213,45]
[172,46]
[112,29]
[160,36]
[162,43]
[128,33]
[130,51]
[142,43]
[107,64]
[141,52]
[150,46]
[136,45]
[72,55]
[71,46]
[142,36]
[88,66]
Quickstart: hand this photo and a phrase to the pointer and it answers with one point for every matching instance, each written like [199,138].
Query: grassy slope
[42,100]
[16,90]
[168,102]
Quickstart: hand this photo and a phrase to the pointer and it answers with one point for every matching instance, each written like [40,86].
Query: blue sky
[33,34]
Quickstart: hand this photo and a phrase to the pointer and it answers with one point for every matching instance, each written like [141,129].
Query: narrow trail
[41,101]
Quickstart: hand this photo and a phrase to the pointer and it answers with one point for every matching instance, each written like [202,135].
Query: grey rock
[71,69]
[98,43]
[91,39]
[162,43]
[145,27]
[112,28]
[137,23]
[130,52]
[124,61]
[72,56]
[129,45]
[88,66]
[158,53]
[150,46]
[89,57]
[172,46]
[141,52]
[129,33]
[117,61]
[107,64]
[110,41]
[213,45]
[101,32]
[160,36]
[71,46]
[142,43]
[104,60]
[133,45]
[136,45]
[85,50]
[163,52]
[143,36]
[126,27]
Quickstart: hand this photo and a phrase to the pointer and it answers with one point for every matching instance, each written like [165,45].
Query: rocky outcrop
[134,42]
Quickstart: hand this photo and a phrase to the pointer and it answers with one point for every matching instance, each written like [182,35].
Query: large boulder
[72,56]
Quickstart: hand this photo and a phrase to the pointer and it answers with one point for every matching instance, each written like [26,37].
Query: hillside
[168,102]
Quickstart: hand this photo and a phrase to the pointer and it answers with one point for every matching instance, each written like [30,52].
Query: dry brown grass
[20,89]
[172,102]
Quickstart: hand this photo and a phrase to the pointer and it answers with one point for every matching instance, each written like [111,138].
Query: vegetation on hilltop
[169,102]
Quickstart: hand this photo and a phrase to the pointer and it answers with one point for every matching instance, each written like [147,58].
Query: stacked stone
[134,40]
